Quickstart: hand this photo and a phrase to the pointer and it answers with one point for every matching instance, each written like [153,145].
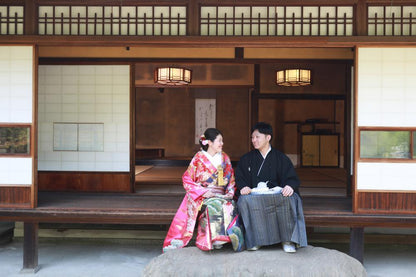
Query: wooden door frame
[348,111]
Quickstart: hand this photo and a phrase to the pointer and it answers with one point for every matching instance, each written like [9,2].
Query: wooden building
[80,110]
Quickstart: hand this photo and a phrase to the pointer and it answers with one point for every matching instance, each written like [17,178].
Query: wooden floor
[323,181]
[160,180]
[97,208]
[117,208]
[157,200]
[112,202]
[159,192]
[106,202]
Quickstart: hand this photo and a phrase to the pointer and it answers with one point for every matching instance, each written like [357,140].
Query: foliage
[385,144]
[14,140]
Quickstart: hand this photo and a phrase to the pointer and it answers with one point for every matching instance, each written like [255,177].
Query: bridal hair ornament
[204,141]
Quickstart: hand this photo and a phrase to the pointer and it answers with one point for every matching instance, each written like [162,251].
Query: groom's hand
[287,191]
[245,191]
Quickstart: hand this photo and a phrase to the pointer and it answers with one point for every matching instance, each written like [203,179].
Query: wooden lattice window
[391,20]
[11,20]
[277,20]
[113,20]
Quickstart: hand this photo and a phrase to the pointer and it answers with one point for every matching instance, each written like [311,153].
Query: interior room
[310,122]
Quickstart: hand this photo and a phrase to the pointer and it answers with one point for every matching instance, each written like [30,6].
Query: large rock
[268,261]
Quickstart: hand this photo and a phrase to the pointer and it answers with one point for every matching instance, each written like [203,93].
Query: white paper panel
[16,80]
[386,87]
[386,176]
[15,171]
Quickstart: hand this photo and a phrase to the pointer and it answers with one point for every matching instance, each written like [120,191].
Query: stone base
[30,270]
[267,261]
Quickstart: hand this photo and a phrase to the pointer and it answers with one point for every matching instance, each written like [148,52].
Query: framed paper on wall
[85,137]
[91,137]
[65,137]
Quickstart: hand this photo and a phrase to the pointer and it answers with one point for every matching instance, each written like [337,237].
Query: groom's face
[259,140]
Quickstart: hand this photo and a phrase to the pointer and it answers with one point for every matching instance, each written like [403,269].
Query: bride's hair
[209,134]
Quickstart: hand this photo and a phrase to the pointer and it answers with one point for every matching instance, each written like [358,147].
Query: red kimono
[214,215]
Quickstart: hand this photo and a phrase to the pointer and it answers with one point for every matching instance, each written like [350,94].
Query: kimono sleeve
[189,180]
[242,173]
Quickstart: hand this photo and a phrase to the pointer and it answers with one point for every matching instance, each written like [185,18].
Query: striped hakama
[272,218]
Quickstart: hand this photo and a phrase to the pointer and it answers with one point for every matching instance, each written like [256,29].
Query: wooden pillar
[255,99]
[31,18]
[193,14]
[357,243]
[30,248]
[361,18]
[347,126]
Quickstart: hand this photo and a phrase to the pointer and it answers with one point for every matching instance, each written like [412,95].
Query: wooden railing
[11,20]
[391,20]
[207,18]
[277,20]
[112,20]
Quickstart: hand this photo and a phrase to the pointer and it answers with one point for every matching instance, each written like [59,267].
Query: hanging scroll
[204,116]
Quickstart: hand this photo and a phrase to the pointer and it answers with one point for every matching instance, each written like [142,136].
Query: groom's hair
[263,128]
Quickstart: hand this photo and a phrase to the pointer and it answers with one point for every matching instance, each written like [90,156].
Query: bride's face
[216,145]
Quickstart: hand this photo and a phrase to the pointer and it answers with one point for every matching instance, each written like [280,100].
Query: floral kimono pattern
[214,215]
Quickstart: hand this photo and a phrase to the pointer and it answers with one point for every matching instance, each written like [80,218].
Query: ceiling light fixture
[173,76]
[293,77]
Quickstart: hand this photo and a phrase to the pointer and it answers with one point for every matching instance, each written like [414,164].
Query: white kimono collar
[270,149]
[216,160]
[264,159]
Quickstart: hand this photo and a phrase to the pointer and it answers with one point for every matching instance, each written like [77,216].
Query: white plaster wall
[386,97]
[16,94]
[85,94]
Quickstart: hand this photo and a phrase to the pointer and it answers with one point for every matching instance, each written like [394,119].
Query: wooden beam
[211,42]
[30,247]
[299,53]
[134,52]
[357,243]
[300,96]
